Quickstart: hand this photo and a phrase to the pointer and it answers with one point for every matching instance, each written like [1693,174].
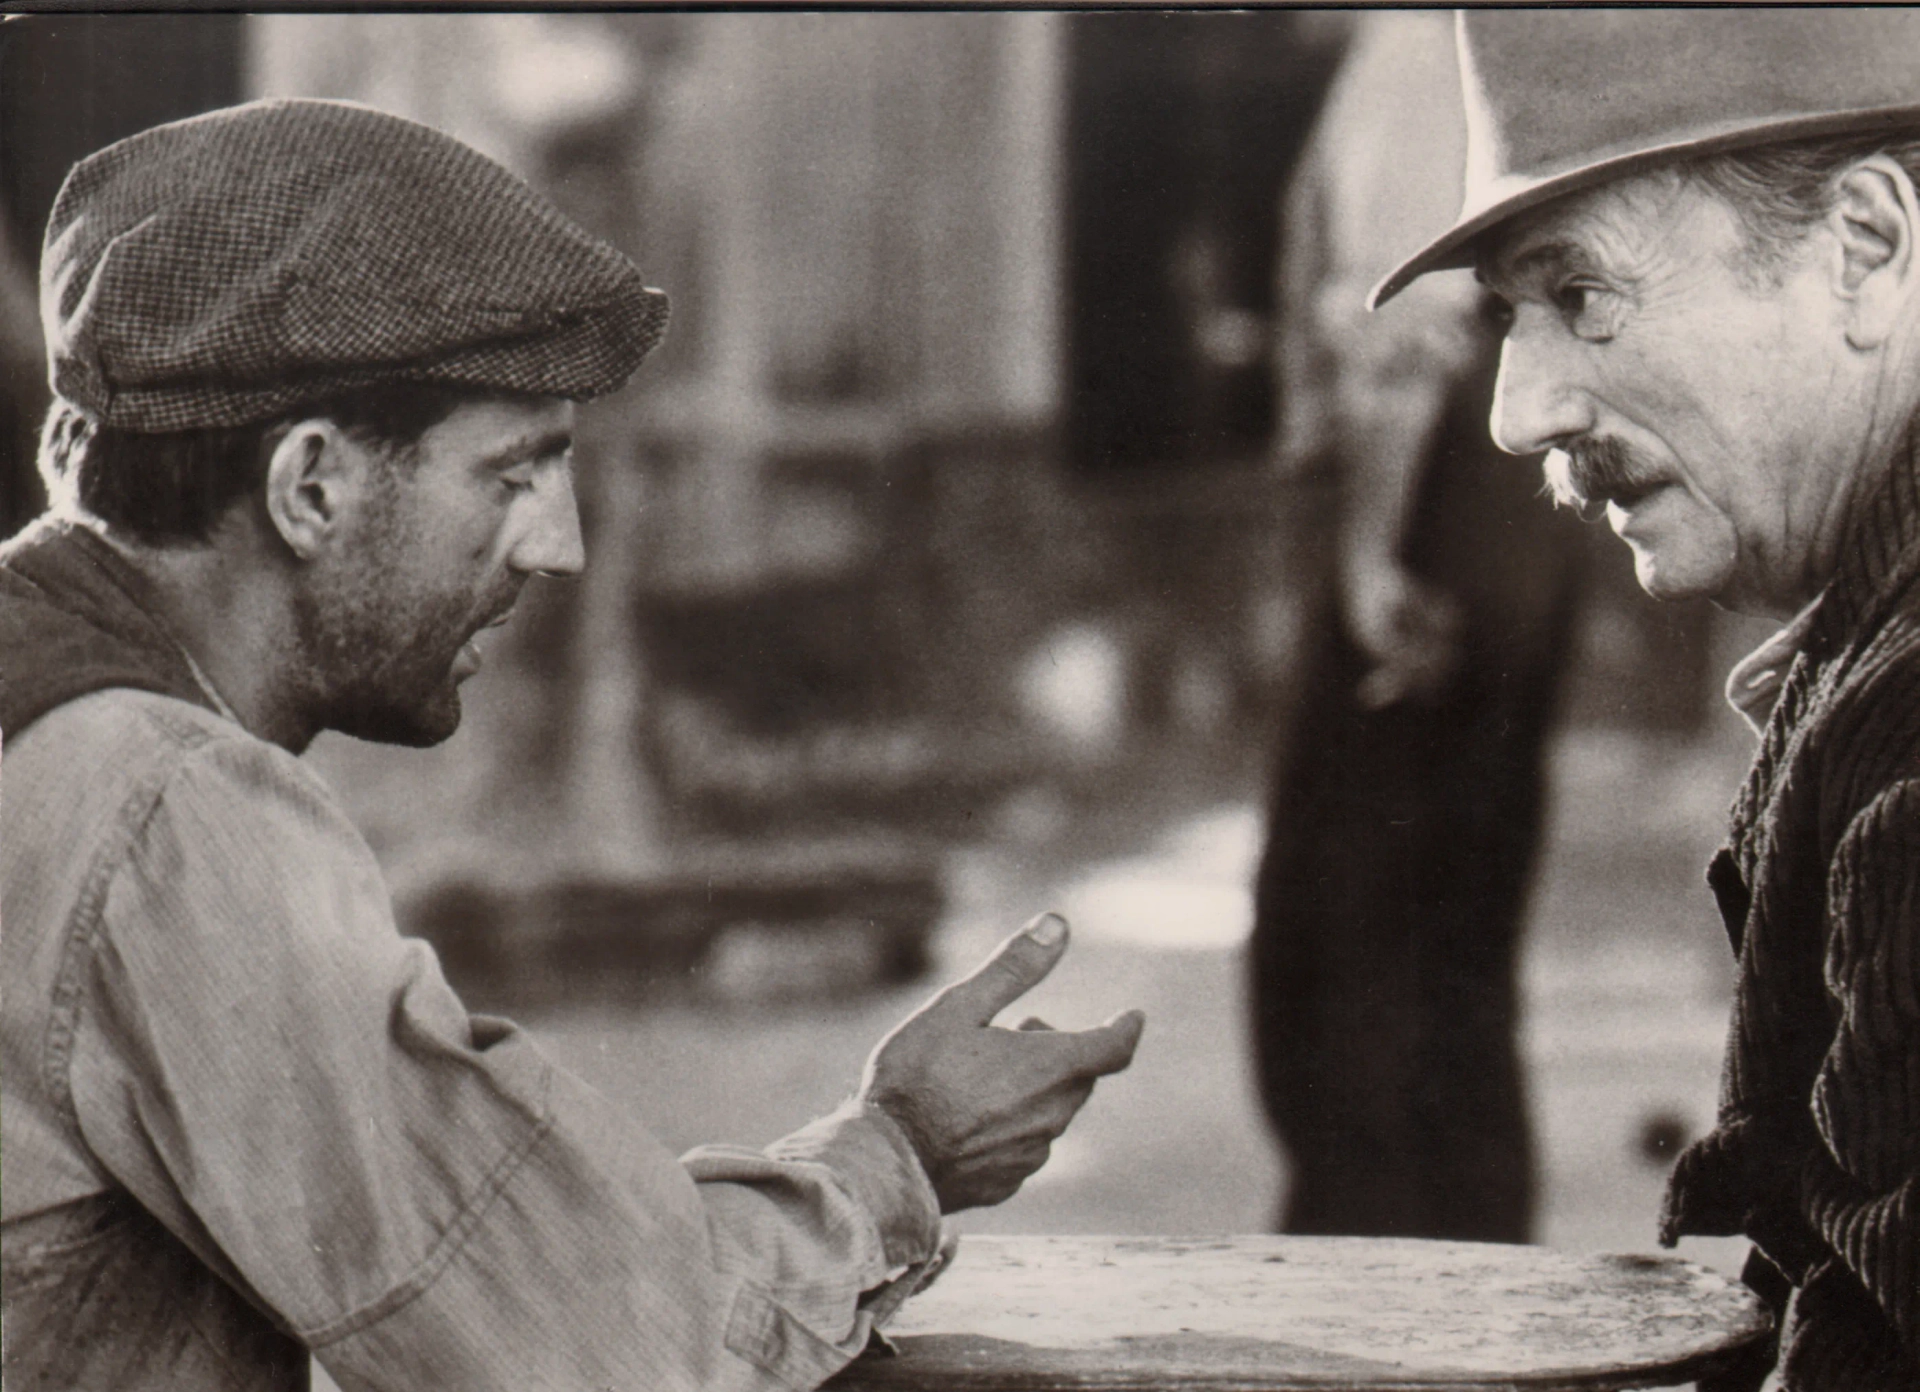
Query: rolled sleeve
[418,1194]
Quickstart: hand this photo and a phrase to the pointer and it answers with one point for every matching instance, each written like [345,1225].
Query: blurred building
[950,481]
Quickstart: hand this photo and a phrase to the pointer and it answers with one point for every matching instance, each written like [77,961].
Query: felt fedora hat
[1561,100]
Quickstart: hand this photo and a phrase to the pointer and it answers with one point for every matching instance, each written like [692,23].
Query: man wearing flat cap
[1706,229]
[314,372]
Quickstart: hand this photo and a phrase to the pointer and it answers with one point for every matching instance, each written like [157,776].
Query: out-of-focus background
[942,571]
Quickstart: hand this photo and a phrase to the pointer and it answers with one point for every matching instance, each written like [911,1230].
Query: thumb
[1016,967]
[1382,686]
[1109,1049]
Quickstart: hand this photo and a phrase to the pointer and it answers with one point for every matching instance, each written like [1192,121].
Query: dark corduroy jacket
[1816,1156]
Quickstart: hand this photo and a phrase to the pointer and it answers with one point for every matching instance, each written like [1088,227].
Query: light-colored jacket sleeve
[419,1194]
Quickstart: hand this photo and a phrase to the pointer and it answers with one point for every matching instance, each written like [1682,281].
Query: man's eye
[517,480]
[1584,305]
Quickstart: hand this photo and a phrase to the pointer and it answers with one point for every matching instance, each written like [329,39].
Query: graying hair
[1780,191]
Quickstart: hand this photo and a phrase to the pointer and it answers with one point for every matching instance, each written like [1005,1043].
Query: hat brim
[1503,199]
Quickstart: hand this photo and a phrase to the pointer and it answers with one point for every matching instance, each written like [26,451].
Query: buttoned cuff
[876,1164]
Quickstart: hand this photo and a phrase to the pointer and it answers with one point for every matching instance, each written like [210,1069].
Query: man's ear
[311,479]
[1875,220]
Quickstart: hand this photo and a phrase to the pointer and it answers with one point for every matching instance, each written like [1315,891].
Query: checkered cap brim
[219,270]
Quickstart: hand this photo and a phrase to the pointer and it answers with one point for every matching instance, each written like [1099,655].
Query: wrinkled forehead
[1618,225]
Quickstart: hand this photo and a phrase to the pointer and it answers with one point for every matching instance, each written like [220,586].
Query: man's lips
[1613,504]
[1625,495]
[1631,513]
[468,660]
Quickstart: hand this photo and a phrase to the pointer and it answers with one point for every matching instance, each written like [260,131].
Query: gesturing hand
[1408,629]
[981,1104]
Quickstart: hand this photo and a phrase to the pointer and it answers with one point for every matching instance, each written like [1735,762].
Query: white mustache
[1589,474]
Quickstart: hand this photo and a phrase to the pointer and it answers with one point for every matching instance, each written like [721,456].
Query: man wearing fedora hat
[314,372]
[1705,226]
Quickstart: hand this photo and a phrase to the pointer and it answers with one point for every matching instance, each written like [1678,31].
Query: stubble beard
[381,674]
[378,645]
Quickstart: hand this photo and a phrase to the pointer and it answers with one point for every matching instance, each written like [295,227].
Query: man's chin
[1679,550]
[417,725]
[1669,583]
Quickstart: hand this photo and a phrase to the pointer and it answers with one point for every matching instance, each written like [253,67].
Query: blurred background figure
[1407,802]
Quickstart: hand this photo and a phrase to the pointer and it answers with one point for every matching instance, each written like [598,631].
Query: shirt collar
[1756,681]
[201,680]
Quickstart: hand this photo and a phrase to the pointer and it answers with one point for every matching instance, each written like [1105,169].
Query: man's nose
[1537,402]
[551,543]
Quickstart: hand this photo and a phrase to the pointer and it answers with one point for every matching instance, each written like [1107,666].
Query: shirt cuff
[873,1160]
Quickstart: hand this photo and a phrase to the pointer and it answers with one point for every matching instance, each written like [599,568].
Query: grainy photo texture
[940,699]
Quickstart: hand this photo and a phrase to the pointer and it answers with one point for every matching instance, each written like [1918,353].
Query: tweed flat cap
[217,270]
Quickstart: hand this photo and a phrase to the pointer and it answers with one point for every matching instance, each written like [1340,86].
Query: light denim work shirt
[244,1119]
